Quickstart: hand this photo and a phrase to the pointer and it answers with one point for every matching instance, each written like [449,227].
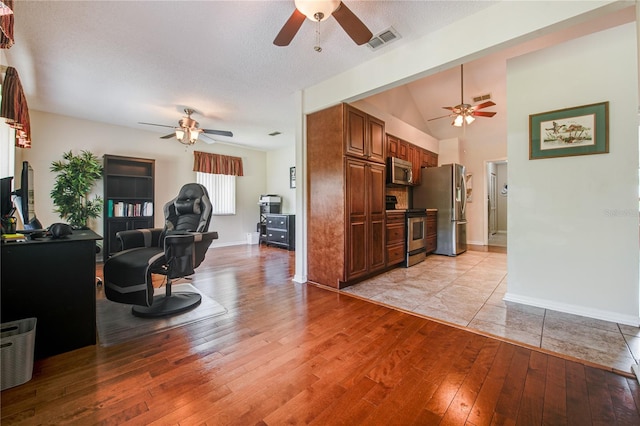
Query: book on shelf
[124,209]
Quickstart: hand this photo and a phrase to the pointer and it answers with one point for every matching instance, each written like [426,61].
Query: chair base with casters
[169,304]
[175,252]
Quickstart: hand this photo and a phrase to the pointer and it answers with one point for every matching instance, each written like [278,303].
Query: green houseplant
[76,175]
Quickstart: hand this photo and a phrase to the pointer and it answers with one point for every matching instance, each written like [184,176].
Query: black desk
[54,281]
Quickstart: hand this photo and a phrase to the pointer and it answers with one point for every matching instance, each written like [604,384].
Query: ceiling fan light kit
[317,10]
[320,10]
[187,132]
[465,113]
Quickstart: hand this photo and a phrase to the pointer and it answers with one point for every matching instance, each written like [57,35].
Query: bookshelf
[128,197]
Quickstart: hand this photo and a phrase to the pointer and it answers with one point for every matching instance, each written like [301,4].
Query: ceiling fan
[320,10]
[466,113]
[187,132]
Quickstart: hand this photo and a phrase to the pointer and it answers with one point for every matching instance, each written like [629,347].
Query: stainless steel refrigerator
[444,188]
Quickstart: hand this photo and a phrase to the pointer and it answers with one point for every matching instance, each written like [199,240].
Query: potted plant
[76,175]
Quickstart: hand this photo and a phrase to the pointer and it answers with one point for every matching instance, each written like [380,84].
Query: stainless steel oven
[416,236]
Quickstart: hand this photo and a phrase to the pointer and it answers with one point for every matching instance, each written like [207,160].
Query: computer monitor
[25,200]
[6,202]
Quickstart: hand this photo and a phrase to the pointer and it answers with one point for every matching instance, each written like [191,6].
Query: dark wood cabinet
[346,205]
[429,159]
[53,280]
[432,230]
[128,197]
[403,150]
[364,136]
[366,218]
[280,229]
[415,158]
[397,148]
[396,234]
[419,157]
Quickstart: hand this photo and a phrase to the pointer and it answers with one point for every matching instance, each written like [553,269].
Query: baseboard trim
[574,309]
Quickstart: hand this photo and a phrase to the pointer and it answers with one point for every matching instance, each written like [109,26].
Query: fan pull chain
[318,16]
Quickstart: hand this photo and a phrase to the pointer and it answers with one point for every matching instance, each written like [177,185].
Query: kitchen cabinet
[429,159]
[419,157]
[364,135]
[346,204]
[395,235]
[415,157]
[392,146]
[432,230]
[128,197]
[397,147]
[280,229]
[366,218]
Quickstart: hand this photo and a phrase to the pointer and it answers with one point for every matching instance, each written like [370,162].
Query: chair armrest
[184,251]
[136,238]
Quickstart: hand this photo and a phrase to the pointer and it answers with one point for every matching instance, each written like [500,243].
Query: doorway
[497,195]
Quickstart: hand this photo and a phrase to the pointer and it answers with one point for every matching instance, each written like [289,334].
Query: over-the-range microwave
[399,172]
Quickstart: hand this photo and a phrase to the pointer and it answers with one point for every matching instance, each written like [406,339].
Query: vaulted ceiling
[124,62]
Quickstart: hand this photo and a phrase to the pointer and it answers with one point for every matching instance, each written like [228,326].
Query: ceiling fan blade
[290,28]
[218,132]
[483,114]
[169,136]
[153,124]
[352,25]
[483,105]
[438,118]
[207,139]
[449,108]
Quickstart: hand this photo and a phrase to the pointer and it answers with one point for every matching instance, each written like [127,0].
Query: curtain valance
[14,108]
[6,24]
[217,164]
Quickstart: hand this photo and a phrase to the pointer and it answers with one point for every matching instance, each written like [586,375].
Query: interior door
[493,204]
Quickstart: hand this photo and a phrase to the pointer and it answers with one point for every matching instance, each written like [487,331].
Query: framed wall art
[566,132]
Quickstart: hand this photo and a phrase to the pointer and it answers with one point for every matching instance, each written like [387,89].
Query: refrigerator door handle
[463,196]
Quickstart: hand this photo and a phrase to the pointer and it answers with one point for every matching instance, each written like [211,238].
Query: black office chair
[174,251]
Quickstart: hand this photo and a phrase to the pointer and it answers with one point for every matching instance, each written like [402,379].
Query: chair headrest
[188,206]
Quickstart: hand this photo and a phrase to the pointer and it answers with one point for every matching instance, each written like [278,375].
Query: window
[222,192]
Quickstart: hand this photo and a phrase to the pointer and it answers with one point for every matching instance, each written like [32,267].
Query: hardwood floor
[287,353]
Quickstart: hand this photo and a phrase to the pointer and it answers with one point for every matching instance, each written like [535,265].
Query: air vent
[383,38]
[482,98]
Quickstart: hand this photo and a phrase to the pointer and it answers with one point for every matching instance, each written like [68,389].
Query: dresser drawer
[277,236]
[277,222]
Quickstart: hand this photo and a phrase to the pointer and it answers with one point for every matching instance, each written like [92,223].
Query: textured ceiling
[121,62]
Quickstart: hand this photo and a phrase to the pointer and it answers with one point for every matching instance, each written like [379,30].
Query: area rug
[116,324]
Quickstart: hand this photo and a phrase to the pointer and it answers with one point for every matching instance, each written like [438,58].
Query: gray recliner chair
[174,251]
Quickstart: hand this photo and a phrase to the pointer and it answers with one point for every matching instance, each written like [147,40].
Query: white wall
[55,134]
[278,164]
[573,221]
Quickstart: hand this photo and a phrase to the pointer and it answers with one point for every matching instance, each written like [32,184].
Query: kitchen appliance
[399,172]
[416,243]
[444,188]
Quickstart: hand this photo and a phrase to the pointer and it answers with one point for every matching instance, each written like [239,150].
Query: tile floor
[498,239]
[467,290]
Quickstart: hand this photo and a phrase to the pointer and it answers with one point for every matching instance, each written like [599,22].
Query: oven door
[416,233]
